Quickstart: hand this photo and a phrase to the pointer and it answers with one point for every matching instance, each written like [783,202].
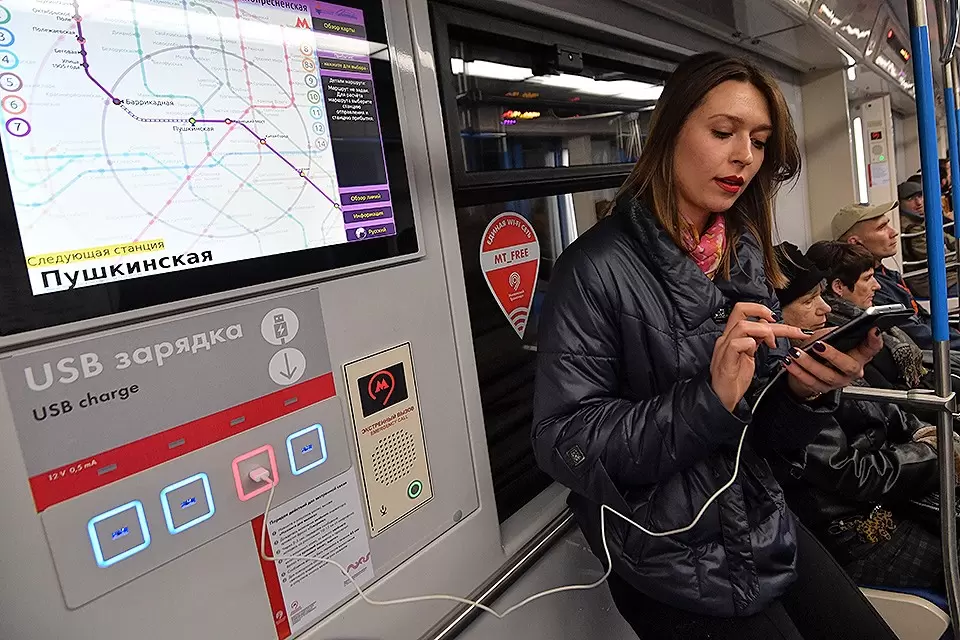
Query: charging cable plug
[260,474]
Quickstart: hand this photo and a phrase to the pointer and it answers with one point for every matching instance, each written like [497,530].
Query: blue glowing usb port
[119,533]
[307,449]
[189,502]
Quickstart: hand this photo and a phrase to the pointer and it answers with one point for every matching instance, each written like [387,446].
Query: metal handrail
[917,234]
[926,270]
[948,256]
[451,625]
[949,31]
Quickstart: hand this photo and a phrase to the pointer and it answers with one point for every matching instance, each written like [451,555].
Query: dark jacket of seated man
[865,460]
[893,290]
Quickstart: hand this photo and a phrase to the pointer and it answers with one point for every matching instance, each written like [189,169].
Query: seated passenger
[914,243]
[850,485]
[848,270]
[869,227]
[850,288]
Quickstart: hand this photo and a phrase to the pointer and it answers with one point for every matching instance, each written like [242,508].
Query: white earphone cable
[573,587]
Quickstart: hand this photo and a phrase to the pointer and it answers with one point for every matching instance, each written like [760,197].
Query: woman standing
[648,367]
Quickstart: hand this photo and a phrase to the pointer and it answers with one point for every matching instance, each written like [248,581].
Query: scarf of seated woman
[905,352]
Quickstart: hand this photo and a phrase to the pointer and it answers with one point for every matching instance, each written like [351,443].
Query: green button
[415,489]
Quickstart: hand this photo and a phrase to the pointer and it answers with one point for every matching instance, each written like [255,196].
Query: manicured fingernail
[807,332]
[786,361]
[795,352]
[819,347]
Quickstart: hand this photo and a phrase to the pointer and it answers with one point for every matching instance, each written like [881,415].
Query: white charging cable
[573,587]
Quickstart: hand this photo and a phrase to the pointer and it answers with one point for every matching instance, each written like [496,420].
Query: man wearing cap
[914,242]
[869,226]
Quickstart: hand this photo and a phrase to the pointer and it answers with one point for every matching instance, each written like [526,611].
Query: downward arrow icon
[287,372]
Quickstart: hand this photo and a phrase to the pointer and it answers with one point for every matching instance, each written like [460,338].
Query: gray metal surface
[458,620]
[577,615]
[232,371]
[65,524]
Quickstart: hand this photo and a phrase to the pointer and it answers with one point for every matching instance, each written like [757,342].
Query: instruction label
[386,419]
[325,522]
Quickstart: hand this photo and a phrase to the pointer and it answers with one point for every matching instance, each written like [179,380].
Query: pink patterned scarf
[707,250]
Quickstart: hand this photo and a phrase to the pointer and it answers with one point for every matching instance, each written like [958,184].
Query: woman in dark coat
[649,366]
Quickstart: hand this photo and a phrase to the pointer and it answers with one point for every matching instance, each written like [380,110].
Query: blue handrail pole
[936,264]
[950,107]
[953,115]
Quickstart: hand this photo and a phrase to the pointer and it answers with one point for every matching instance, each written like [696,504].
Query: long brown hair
[652,179]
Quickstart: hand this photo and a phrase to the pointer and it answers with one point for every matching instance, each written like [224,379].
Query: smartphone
[848,336]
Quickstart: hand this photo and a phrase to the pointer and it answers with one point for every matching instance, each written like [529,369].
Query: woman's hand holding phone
[732,366]
[810,377]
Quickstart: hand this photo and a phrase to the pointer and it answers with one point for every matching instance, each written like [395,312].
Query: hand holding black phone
[853,333]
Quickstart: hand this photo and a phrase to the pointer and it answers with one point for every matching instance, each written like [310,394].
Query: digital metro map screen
[157,150]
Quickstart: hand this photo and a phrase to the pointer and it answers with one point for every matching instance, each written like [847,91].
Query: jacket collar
[841,311]
[694,295]
[910,214]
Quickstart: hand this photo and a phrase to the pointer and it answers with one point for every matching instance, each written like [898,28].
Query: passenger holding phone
[851,287]
[656,336]
[852,484]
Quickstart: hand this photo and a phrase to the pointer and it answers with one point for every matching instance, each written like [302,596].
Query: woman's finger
[822,372]
[818,334]
[744,345]
[845,363]
[765,332]
[743,310]
[866,350]
[806,379]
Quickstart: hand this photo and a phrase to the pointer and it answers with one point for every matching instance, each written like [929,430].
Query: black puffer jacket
[864,458]
[624,415]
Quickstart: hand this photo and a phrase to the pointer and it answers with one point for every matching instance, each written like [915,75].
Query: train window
[546,125]
[512,118]
[522,104]
[505,362]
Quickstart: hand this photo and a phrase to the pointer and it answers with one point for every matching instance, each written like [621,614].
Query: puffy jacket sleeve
[894,471]
[584,432]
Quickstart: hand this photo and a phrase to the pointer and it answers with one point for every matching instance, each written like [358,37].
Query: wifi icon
[519,319]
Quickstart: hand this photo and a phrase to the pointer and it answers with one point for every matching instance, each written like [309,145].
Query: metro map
[162,134]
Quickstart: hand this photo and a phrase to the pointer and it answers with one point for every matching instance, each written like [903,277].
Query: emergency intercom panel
[385,411]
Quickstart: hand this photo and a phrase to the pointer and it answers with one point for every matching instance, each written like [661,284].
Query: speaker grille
[394,457]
